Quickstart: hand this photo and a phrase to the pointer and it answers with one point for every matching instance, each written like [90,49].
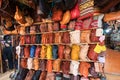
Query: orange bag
[85,36]
[23,63]
[49,66]
[56,65]
[43,52]
[66,18]
[83,69]
[36,63]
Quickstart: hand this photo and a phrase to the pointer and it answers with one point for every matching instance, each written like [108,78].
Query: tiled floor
[5,76]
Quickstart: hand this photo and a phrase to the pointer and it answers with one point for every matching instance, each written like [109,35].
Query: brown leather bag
[43,75]
[44,38]
[66,37]
[91,53]
[43,65]
[33,39]
[66,67]
[61,51]
[93,37]
[26,52]
[30,74]
[56,65]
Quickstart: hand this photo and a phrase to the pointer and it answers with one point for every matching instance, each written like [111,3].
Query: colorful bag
[32,51]
[50,38]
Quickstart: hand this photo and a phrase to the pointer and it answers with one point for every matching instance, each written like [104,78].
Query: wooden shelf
[48,32]
[63,59]
[61,44]
[37,23]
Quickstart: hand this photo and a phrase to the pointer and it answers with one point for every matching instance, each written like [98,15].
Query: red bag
[33,39]
[22,40]
[66,37]
[37,52]
[93,37]
[91,53]
[50,38]
[26,52]
[57,15]
[75,12]
[61,51]
[23,63]
[27,39]
[66,67]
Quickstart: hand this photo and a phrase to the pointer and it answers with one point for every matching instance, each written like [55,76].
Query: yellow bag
[75,52]
[49,52]
[43,51]
[99,49]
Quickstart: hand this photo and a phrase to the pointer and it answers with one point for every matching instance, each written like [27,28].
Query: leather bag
[26,52]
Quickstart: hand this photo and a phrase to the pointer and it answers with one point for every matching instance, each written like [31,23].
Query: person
[7,55]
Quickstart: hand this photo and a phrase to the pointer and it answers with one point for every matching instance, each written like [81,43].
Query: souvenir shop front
[61,39]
